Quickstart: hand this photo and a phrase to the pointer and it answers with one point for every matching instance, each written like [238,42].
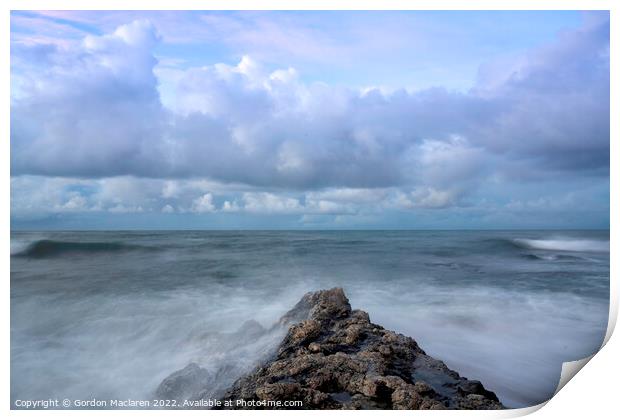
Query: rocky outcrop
[333,357]
[224,353]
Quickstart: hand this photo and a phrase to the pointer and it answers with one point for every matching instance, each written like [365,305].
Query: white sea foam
[20,245]
[565,244]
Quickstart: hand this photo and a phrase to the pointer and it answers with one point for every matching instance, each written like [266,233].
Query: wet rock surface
[333,357]
[184,384]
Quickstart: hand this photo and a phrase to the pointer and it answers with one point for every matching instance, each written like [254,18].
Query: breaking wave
[49,248]
[571,245]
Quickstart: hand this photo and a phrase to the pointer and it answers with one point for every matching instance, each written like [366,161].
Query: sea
[110,314]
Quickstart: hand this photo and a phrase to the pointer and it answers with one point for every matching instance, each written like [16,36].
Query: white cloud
[89,122]
[75,203]
[121,208]
[167,209]
[264,202]
[350,195]
[230,207]
[432,198]
[241,123]
[33,197]
[424,198]
[327,207]
[203,204]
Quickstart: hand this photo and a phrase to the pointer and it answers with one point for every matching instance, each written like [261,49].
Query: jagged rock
[250,330]
[183,384]
[334,357]
[195,382]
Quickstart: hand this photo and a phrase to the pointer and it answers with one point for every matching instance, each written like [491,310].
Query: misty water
[110,314]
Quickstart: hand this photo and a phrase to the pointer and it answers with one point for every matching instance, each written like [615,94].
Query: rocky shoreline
[333,357]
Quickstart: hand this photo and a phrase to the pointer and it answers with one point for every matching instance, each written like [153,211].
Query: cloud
[554,104]
[270,203]
[273,143]
[425,198]
[553,203]
[349,195]
[203,204]
[90,111]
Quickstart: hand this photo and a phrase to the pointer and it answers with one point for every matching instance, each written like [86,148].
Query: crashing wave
[571,245]
[48,248]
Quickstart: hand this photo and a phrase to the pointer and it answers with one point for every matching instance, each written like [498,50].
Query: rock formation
[333,357]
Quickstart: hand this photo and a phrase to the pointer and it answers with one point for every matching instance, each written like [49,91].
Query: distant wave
[574,245]
[49,248]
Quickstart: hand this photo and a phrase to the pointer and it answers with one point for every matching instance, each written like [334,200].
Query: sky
[309,120]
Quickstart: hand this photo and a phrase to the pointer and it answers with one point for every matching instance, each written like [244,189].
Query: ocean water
[110,314]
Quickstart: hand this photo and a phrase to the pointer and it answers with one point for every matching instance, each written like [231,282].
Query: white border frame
[593,394]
